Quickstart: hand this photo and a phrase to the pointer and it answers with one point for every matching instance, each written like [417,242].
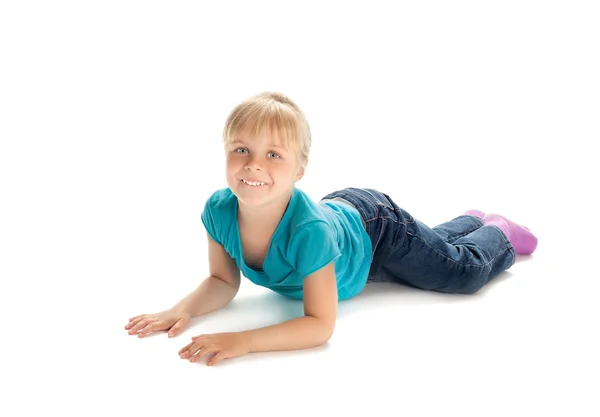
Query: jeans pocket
[401,215]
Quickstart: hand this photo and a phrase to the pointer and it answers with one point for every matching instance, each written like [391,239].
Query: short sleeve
[209,221]
[312,247]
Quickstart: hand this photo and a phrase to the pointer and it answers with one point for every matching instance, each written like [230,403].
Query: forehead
[265,138]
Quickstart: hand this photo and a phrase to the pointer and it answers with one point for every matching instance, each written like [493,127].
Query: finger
[192,349]
[185,348]
[141,316]
[140,325]
[178,327]
[207,349]
[137,325]
[134,322]
[218,357]
[151,328]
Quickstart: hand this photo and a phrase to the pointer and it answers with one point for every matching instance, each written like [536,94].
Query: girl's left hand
[223,345]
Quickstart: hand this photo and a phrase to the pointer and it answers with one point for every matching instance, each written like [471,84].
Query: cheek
[287,172]
[232,164]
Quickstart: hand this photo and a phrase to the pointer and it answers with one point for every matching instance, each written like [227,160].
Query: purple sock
[475,212]
[519,236]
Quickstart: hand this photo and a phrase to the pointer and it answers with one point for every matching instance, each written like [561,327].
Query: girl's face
[260,170]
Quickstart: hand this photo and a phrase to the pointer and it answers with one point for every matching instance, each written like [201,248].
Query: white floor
[110,145]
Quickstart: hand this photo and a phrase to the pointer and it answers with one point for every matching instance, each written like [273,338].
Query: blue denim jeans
[459,256]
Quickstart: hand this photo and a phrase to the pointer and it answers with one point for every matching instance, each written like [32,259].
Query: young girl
[264,227]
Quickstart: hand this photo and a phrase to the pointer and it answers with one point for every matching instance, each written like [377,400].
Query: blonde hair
[274,113]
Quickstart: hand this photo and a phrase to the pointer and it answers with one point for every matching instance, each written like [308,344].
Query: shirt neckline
[285,216]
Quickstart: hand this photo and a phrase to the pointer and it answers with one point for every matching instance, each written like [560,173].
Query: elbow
[322,330]
[326,338]
[329,332]
[326,332]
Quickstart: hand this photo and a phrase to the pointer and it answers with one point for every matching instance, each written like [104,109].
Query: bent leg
[457,228]
[463,266]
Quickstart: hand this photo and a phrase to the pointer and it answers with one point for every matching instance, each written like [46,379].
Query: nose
[252,164]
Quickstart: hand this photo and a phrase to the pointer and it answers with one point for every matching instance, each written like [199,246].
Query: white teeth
[253,183]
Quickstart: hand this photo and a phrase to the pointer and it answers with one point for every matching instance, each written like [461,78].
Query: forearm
[212,294]
[299,333]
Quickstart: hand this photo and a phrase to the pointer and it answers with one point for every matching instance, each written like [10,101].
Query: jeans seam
[385,218]
[364,200]
[377,199]
[376,245]
[454,261]
[458,279]
[455,238]
[508,248]
[509,245]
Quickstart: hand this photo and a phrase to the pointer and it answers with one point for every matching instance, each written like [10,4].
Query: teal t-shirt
[308,237]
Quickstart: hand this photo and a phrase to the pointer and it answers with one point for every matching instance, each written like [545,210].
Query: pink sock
[475,212]
[519,236]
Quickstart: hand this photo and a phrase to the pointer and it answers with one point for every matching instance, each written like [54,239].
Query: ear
[300,174]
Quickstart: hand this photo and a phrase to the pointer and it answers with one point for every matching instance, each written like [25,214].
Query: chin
[250,196]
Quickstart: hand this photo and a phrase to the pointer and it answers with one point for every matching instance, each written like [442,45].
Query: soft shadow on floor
[524,258]
[275,308]
[382,295]
[258,310]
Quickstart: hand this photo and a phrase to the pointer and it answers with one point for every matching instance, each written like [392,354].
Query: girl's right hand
[145,324]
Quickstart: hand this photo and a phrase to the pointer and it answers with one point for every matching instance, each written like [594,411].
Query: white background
[110,125]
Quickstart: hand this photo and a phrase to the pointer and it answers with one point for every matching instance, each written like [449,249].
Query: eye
[275,155]
[241,150]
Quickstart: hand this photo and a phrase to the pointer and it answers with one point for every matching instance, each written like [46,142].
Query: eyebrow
[270,145]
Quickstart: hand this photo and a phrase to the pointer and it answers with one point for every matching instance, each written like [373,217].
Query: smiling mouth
[254,183]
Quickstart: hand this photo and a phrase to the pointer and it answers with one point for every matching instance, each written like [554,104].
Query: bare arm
[313,329]
[212,294]
[218,289]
